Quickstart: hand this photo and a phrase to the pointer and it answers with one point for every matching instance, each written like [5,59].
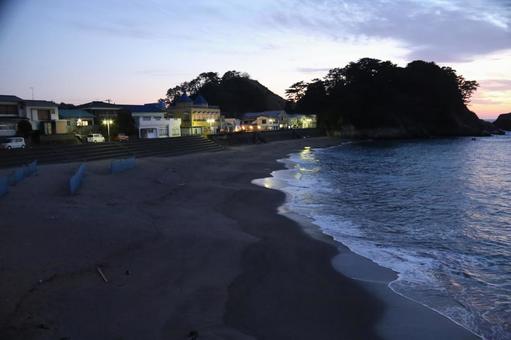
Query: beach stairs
[161,147]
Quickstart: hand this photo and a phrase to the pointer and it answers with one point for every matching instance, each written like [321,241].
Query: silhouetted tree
[296,91]
[24,128]
[125,123]
[370,93]
[234,92]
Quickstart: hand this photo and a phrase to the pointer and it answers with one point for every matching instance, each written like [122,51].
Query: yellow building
[197,116]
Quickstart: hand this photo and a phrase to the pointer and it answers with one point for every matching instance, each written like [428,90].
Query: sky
[132,51]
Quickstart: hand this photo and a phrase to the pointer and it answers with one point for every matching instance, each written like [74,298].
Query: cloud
[313,69]
[485,101]
[496,84]
[162,73]
[436,30]
[116,29]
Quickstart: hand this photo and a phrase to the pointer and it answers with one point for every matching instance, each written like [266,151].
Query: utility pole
[32,89]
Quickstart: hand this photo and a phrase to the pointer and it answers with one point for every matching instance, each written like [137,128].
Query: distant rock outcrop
[371,98]
[503,122]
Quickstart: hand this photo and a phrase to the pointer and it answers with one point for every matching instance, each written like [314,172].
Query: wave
[421,275]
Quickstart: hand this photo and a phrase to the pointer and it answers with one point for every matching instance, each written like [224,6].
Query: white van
[12,143]
[95,138]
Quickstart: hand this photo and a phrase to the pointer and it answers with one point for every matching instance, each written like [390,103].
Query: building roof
[45,103]
[97,105]
[9,99]
[200,101]
[250,115]
[184,99]
[151,107]
[74,113]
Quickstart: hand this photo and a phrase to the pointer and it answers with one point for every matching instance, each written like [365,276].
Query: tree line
[365,94]
[372,93]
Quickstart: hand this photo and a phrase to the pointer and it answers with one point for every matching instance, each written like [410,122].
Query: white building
[157,127]
[266,120]
[151,122]
[302,121]
[230,124]
[43,115]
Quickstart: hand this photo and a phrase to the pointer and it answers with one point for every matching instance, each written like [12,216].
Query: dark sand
[186,243]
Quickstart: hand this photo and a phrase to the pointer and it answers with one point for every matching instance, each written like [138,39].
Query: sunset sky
[132,51]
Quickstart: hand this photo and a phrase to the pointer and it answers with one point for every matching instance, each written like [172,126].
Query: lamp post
[107,122]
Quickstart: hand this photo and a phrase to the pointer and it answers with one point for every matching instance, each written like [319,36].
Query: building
[42,115]
[101,110]
[197,116]
[78,121]
[230,124]
[11,112]
[151,122]
[266,120]
[302,121]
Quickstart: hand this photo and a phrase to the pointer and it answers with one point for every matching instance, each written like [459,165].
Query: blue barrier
[4,185]
[76,180]
[31,168]
[21,173]
[16,176]
[120,165]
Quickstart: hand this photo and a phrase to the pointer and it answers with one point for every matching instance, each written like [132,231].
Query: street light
[107,122]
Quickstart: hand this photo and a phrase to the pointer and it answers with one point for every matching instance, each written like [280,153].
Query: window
[163,132]
[9,110]
[263,121]
[8,127]
[43,115]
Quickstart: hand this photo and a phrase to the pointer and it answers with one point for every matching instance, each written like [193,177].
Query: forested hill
[378,99]
[234,92]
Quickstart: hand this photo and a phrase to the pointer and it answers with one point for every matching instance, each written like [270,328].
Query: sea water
[438,212]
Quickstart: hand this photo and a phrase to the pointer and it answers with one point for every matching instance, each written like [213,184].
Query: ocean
[437,212]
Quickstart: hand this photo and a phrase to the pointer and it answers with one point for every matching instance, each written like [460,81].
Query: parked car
[95,138]
[12,143]
[121,137]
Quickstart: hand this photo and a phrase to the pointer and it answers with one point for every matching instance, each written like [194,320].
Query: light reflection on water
[438,212]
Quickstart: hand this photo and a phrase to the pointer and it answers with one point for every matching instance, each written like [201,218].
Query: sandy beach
[187,244]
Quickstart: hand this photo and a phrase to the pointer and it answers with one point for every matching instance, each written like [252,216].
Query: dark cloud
[433,30]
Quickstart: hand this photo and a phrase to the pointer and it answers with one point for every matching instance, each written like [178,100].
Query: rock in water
[503,122]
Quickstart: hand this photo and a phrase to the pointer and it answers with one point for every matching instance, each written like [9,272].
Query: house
[302,121]
[11,112]
[197,116]
[230,124]
[151,122]
[78,121]
[44,116]
[101,110]
[265,120]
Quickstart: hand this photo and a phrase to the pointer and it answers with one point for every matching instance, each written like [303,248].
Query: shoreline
[373,276]
[188,244]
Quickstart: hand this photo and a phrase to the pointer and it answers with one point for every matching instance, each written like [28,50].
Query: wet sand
[186,244]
